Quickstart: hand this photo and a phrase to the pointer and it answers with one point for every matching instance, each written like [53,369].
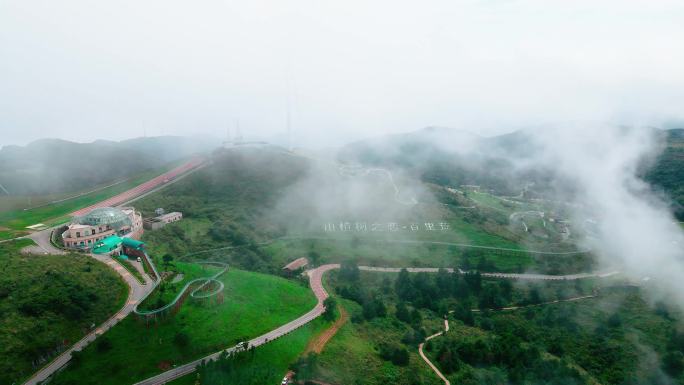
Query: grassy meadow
[253,304]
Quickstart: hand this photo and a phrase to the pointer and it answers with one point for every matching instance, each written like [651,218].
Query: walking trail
[318,344]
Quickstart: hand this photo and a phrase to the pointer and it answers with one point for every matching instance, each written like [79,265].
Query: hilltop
[52,166]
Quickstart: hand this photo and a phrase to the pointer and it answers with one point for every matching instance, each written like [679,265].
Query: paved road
[43,244]
[410,241]
[568,277]
[143,188]
[136,293]
[537,304]
[316,283]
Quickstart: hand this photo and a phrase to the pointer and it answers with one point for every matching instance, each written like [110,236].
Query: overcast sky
[83,69]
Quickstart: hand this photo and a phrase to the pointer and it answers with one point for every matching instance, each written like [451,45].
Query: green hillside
[47,303]
[249,196]
[668,171]
[253,304]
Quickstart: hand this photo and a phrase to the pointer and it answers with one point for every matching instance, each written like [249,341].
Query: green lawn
[167,291]
[47,303]
[254,304]
[8,233]
[58,213]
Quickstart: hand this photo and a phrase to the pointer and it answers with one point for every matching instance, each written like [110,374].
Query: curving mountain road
[315,280]
[568,277]
[136,293]
[316,283]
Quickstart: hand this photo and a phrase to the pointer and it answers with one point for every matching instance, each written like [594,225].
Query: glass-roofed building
[86,231]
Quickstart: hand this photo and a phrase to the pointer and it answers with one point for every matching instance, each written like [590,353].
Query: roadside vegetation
[47,303]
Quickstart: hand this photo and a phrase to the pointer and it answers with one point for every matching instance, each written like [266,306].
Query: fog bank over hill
[598,170]
[49,166]
[634,228]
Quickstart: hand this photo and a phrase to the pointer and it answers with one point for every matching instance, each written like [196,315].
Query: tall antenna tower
[238,132]
[288,108]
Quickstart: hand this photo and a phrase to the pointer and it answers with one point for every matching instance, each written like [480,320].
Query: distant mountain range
[451,157]
[49,166]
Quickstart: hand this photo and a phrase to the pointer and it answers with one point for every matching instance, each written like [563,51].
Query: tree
[403,286]
[416,318]
[374,308]
[491,298]
[463,313]
[506,289]
[167,259]
[349,271]
[402,313]
[673,363]
[103,344]
[400,357]
[474,281]
[181,340]
[534,296]
[330,304]
[314,257]
[444,283]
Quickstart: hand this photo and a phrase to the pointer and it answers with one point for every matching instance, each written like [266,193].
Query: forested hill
[49,166]
[452,157]
[668,172]
[228,202]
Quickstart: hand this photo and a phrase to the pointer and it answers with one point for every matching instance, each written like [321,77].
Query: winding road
[135,295]
[446,329]
[424,357]
[316,282]
[548,277]
[353,171]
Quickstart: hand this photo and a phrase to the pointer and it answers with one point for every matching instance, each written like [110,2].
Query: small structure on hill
[160,221]
[296,264]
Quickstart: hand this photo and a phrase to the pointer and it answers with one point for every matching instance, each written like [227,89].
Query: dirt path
[318,344]
[446,329]
[427,361]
